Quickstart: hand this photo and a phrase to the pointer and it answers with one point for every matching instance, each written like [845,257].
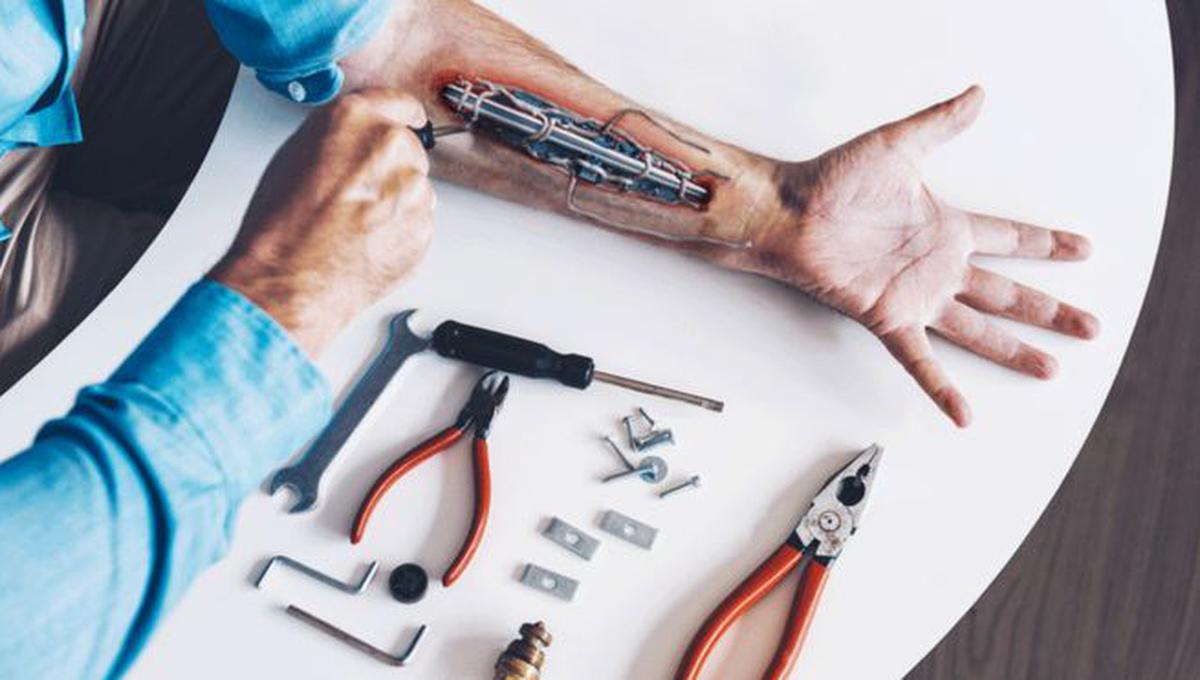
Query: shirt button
[296,91]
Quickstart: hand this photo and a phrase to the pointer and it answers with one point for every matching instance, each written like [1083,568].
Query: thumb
[934,126]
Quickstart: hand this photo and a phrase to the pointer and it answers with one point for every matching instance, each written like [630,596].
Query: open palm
[862,233]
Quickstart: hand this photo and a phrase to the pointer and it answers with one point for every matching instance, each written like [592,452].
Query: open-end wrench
[304,476]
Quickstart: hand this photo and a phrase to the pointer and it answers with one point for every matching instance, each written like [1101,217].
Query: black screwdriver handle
[511,354]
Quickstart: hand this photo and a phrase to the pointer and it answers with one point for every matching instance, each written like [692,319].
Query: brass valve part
[523,659]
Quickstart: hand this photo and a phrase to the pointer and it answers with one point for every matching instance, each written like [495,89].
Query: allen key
[348,588]
[359,644]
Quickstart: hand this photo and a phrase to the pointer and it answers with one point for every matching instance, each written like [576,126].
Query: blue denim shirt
[293,46]
[116,507]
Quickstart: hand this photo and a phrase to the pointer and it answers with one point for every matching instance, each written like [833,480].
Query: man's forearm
[434,43]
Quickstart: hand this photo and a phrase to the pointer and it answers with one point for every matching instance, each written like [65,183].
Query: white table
[1076,132]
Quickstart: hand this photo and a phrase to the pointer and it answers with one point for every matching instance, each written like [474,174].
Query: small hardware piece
[357,643]
[552,583]
[625,462]
[408,583]
[692,483]
[524,658]
[651,470]
[649,437]
[350,588]
[628,529]
[571,538]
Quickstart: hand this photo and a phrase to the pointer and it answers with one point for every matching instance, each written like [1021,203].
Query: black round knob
[408,583]
[851,491]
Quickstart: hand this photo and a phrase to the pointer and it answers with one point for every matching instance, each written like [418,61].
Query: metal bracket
[572,539]
[349,588]
[628,529]
[549,582]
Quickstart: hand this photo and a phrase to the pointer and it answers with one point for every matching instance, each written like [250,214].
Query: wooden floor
[1107,585]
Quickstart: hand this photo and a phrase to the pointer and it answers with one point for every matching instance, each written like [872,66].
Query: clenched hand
[858,229]
[342,214]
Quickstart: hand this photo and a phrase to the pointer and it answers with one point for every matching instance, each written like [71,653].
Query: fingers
[994,294]
[939,123]
[971,330]
[1000,236]
[397,106]
[911,348]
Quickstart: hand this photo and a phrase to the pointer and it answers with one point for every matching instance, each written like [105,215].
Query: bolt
[617,450]
[654,438]
[651,469]
[692,483]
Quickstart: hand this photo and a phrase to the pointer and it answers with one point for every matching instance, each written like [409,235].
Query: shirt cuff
[236,376]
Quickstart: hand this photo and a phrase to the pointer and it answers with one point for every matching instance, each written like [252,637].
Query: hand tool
[485,401]
[549,582]
[408,583]
[511,354]
[304,476]
[818,539]
[692,483]
[359,644]
[524,658]
[628,529]
[350,588]
[650,470]
[574,540]
[429,133]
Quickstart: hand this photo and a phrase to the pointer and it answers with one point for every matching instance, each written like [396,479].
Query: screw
[651,469]
[617,450]
[654,438]
[646,416]
[693,482]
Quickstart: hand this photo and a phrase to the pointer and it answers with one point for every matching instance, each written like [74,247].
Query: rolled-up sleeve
[116,507]
[293,46]
[40,41]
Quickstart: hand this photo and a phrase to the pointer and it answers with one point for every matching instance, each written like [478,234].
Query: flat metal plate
[571,538]
[549,582]
[628,529]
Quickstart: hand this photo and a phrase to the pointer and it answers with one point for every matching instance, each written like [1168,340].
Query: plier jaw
[835,511]
[486,400]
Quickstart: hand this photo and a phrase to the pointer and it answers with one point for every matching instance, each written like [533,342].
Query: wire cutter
[816,542]
[485,401]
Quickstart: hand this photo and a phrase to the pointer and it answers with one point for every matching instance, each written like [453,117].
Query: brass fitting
[523,659]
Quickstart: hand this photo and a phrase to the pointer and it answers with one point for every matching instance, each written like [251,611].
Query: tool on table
[524,657]
[625,462]
[628,529]
[357,643]
[650,469]
[692,482]
[511,354]
[304,476]
[485,401]
[574,540]
[651,437]
[429,133]
[817,541]
[549,582]
[350,588]
[408,583]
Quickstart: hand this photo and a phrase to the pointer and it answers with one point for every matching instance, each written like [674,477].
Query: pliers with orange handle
[485,401]
[816,542]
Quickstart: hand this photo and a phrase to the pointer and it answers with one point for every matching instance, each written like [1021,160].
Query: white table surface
[1076,132]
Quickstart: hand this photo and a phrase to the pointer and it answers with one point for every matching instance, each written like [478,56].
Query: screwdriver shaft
[658,391]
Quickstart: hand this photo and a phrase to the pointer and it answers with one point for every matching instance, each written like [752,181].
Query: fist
[343,213]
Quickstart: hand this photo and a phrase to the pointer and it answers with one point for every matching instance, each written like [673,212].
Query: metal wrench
[304,476]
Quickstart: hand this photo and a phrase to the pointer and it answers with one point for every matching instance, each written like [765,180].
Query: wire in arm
[590,152]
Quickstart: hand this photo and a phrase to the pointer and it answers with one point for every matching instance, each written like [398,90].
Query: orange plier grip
[763,580]
[419,454]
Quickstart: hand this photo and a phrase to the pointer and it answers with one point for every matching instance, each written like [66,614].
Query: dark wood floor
[1108,583]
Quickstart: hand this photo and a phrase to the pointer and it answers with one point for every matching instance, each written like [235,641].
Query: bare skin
[856,227]
[343,213]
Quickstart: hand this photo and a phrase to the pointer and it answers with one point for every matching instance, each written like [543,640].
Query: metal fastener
[351,588]
[549,582]
[574,540]
[651,469]
[692,483]
[621,455]
[361,645]
[628,529]
[653,439]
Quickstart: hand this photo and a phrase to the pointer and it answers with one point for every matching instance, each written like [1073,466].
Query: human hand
[858,229]
[343,213]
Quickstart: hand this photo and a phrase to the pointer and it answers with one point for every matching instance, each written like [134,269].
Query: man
[113,510]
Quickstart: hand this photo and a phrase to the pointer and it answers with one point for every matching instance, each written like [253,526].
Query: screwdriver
[428,134]
[519,356]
